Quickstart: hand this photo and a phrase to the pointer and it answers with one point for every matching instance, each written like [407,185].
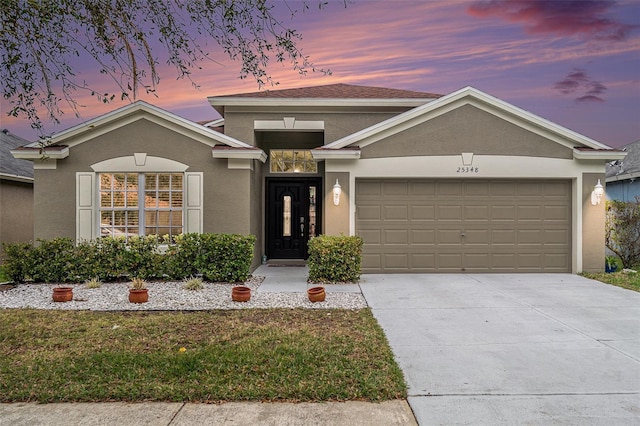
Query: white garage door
[420,225]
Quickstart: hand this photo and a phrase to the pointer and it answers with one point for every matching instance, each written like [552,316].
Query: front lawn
[628,280]
[230,355]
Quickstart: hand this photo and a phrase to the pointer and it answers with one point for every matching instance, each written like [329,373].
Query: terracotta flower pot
[139,296]
[241,294]
[316,294]
[62,294]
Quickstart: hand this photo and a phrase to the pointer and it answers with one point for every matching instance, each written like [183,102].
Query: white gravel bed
[166,296]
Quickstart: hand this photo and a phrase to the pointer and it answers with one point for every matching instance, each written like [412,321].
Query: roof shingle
[337,91]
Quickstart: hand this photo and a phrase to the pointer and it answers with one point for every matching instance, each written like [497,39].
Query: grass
[233,355]
[628,280]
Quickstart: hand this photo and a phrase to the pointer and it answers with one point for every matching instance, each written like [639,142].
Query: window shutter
[85,206]
[193,203]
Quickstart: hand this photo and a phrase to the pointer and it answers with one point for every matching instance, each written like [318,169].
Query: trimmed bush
[335,258]
[16,260]
[216,257]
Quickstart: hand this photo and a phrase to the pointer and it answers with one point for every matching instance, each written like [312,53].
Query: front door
[293,216]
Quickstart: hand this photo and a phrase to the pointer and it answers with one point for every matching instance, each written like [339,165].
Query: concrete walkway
[512,349]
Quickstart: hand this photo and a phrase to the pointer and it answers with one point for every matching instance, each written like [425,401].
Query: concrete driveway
[532,349]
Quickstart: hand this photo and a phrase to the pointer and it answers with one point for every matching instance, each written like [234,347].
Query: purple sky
[576,63]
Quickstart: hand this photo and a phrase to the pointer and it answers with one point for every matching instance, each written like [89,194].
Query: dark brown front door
[292,216]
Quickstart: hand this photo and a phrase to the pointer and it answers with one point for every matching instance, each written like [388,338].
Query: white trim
[16,178]
[239,164]
[467,95]
[33,154]
[625,176]
[128,164]
[132,113]
[47,164]
[598,155]
[290,124]
[244,154]
[337,154]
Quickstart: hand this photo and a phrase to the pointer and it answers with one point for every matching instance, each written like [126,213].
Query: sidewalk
[350,413]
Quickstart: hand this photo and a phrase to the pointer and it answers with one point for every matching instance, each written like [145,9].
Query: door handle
[302,229]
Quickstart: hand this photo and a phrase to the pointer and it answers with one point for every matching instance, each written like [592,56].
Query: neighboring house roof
[627,168]
[583,147]
[332,94]
[10,167]
[57,147]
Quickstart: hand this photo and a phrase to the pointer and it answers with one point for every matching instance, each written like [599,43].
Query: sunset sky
[576,63]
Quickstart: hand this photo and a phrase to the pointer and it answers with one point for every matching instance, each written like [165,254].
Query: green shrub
[53,261]
[225,257]
[335,258]
[216,257]
[16,260]
[623,231]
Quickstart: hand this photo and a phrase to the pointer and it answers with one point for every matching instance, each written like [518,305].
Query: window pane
[176,182]
[176,219]
[292,161]
[150,199]
[163,200]
[133,218]
[176,199]
[286,216]
[151,218]
[105,199]
[150,181]
[164,182]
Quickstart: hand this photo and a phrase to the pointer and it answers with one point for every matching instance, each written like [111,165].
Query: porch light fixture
[337,190]
[597,193]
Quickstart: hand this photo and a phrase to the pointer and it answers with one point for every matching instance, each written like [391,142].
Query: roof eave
[243,154]
[606,155]
[335,154]
[54,153]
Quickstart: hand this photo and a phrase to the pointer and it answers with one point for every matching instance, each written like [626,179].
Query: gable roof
[337,91]
[587,148]
[331,94]
[12,168]
[627,168]
[58,145]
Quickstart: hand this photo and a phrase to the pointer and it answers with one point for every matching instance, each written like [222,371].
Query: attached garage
[471,225]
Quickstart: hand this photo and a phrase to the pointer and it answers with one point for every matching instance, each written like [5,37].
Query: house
[622,175]
[458,183]
[16,192]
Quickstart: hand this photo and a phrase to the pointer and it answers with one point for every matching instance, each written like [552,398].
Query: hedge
[215,257]
[335,258]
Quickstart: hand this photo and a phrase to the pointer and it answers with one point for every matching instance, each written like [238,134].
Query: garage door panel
[396,236]
[396,212]
[423,212]
[449,213]
[417,225]
[367,212]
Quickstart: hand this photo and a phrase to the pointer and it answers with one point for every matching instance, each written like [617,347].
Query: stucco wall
[16,212]
[239,125]
[336,218]
[593,229]
[466,129]
[226,192]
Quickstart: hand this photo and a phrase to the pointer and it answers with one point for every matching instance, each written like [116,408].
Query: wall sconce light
[337,190]
[597,193]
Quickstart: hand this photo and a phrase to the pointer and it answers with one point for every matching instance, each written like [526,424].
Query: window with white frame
[141,204]
[292,161]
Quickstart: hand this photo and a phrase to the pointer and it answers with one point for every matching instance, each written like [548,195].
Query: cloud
[562,18]
[579,81]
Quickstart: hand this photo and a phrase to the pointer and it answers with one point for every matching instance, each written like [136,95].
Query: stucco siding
[239,125]
[16,212]
[593,230]
[225,191]
[466,129]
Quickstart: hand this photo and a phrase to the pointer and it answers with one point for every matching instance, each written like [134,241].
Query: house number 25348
[467,170]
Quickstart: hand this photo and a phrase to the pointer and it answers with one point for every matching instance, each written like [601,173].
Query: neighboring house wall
[16,211]
[624,190]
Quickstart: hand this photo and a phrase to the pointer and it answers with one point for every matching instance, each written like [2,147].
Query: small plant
[138,284]
[193,283]
[93,283]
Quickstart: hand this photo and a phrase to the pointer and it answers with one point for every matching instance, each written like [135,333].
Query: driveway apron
[512,349]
